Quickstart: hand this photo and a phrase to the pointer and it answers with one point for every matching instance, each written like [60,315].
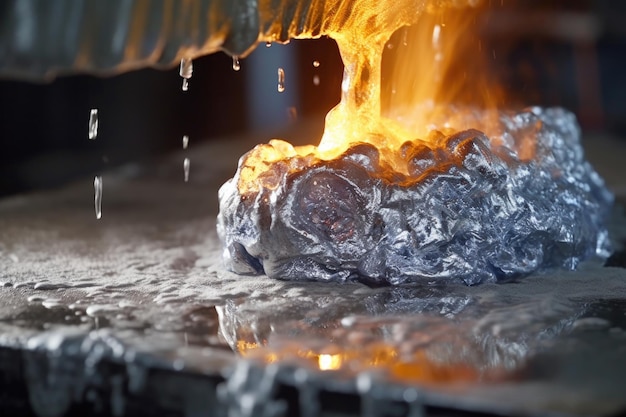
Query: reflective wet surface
[105,314]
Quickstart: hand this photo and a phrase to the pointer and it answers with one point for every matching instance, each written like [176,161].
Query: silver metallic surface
[41,38]
[479,214]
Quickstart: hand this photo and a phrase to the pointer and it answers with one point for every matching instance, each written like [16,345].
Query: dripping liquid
[97,185]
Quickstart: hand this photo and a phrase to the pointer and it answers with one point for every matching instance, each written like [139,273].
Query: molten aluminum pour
[474,212]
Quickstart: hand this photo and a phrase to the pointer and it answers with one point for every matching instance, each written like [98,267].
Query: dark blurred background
[567,53]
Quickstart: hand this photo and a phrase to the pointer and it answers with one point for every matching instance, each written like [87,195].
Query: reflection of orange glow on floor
[423,370]
[418,368]
[244,346]
[328,362]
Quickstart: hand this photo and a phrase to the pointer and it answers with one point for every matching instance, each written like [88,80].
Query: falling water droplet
[268,44]
[93,124]
[185,141]
[405,34]
[186,164]
[236,65]
[97,186]
[281,80]
[316,63]
[186,71]
[316,80]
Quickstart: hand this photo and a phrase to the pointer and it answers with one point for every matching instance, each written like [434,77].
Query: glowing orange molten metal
[436,66]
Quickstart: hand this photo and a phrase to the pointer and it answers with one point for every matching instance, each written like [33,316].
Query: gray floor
[146,282]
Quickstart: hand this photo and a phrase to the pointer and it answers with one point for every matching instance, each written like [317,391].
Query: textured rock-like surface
[471,208]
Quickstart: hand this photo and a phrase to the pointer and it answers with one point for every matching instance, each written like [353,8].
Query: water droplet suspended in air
[185,84]
[97,186]
[236,64]
[316,80]
[93,124]
[185,141]
[268,44]
[316,63]
[281,80]
[186,164]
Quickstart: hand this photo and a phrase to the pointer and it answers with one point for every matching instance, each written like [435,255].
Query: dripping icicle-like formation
[186,71]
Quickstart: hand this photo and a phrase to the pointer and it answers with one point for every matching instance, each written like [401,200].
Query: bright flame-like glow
[443,66]
[436,66]
[327,362]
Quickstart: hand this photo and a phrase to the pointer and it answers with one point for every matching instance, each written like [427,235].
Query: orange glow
[436,59]
[422,369]
[244,346]
[439,67]
[418,368]
[328,362]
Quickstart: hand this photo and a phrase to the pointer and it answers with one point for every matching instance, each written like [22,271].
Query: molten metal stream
[431,71]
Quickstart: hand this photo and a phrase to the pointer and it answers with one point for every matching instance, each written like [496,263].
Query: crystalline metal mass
[473,210]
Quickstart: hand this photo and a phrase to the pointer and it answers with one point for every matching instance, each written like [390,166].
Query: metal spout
[40,39]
